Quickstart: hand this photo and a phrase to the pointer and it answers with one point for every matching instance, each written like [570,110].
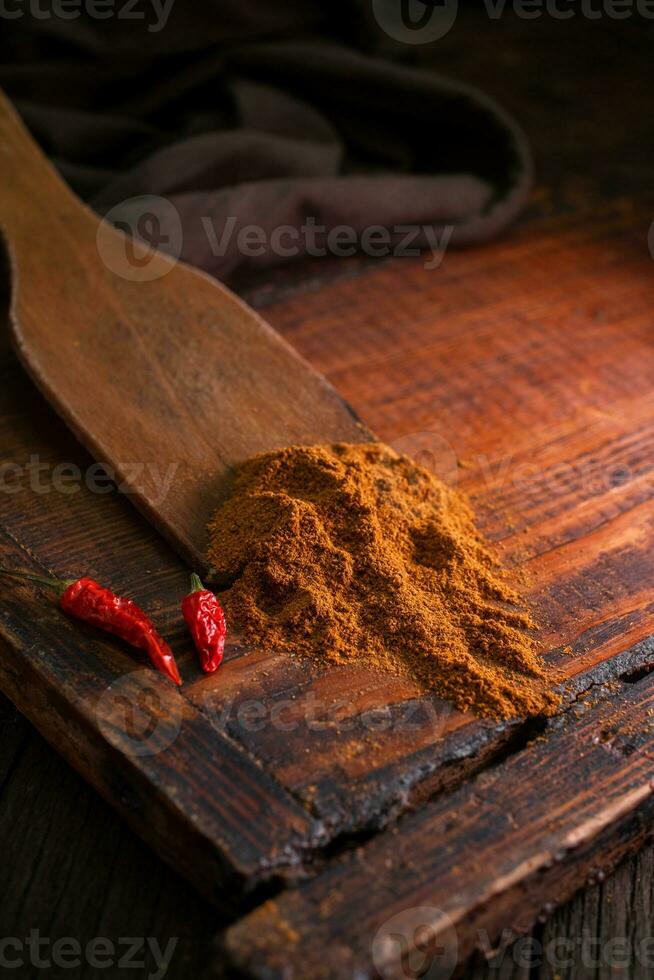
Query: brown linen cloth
[243,112]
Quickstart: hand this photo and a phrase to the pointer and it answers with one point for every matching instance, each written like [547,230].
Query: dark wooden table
[70,868]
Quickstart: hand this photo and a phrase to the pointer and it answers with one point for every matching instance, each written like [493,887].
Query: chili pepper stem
[196,583]
[54,583]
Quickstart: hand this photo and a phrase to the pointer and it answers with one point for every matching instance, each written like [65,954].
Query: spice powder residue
[353,552]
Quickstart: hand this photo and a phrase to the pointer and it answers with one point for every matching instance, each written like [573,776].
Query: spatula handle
[31,192]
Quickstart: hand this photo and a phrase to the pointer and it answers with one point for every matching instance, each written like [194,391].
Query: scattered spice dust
[353,552]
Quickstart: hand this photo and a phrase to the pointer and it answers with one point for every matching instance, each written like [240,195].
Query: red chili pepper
[206,622]
[92,603]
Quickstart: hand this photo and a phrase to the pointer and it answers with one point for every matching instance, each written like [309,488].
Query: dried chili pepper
[206,622]
[90,602]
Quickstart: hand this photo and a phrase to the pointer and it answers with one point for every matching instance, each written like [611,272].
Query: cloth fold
[250,116]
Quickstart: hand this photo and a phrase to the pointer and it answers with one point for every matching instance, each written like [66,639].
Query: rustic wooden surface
[595,188]
[73,868]
[538,407]
[500,849]
[110,884]
[487,363]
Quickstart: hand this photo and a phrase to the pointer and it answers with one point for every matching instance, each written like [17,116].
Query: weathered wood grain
[509,844]
[579,89]
[540,408]
[72,870]
[347,750]
[605,931]
[227,824]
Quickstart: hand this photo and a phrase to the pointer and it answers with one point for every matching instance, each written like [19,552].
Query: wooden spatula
[169,381]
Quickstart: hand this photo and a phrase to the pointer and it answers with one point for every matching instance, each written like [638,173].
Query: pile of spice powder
[352,552]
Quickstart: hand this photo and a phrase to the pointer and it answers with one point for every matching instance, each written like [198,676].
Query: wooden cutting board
[525,372]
